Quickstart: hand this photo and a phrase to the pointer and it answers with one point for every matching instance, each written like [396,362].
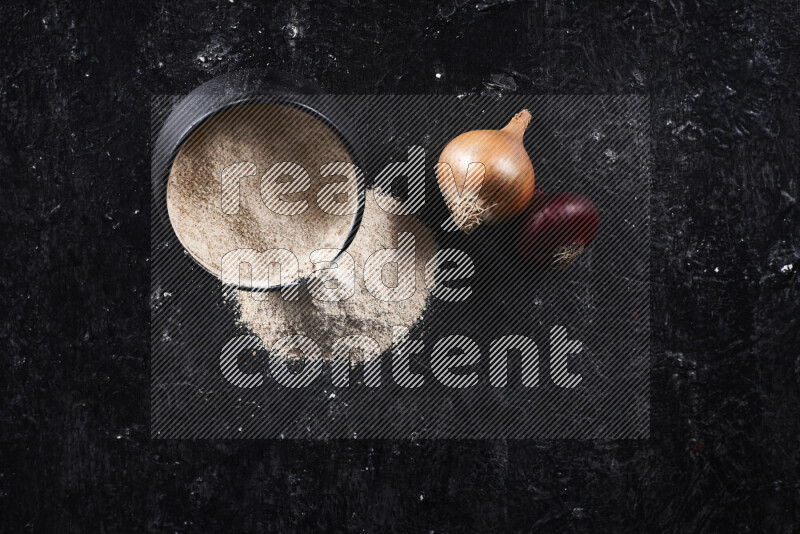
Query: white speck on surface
[716,269]
[291,31]
[438,75]
[787,268]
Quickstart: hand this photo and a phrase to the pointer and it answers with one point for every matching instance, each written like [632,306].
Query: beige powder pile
[261,135]
[362,314]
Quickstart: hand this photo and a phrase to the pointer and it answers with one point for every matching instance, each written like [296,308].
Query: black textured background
[74,117]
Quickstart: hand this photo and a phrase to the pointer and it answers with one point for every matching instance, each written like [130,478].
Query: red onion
[557,229]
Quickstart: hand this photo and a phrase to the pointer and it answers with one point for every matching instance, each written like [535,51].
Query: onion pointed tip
[520,121]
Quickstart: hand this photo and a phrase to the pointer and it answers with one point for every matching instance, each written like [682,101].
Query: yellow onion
[486,176]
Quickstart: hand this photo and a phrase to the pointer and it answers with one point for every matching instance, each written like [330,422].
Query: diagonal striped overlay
[518,352]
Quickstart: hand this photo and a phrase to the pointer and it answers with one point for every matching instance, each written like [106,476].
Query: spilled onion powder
[362,314]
